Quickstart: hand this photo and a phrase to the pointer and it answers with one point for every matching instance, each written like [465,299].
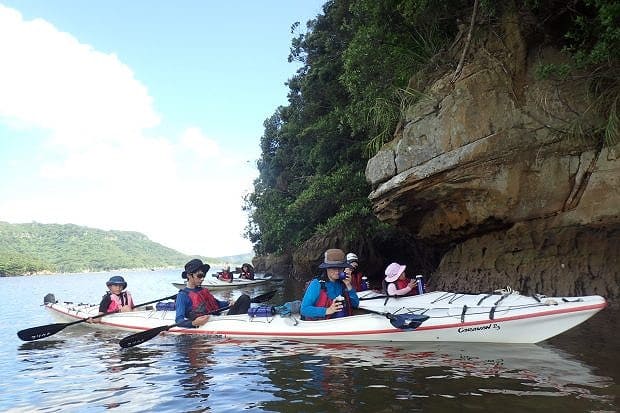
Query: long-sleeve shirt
[333,289]
[184,306]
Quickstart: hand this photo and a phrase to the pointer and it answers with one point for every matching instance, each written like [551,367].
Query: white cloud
[195,141]
[98,166]
[50,80]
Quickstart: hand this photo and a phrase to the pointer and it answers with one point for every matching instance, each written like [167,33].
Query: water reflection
[351,377]
[134,358]
[40,345]
[195,363]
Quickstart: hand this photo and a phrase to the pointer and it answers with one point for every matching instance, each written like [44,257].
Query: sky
[141,115]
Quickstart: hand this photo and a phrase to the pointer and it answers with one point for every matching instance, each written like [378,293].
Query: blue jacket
[334,289]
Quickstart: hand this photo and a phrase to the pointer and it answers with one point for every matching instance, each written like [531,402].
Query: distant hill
[34,248]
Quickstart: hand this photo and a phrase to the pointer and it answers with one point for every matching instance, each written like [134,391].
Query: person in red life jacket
[396,281]
[194,304]
[116,299]
[225,274]
[330,295]
[356,274]
[247,272]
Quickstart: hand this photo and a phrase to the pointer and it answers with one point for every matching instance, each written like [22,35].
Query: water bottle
[340,313]
[364,283]
[420,280]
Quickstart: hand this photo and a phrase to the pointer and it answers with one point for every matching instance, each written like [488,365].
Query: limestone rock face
[274,264]
[506,170]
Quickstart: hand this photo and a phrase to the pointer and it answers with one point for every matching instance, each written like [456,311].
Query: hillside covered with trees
[32,248]
[364,62]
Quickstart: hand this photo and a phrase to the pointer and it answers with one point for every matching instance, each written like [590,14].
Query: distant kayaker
[116,299]
[194,304]
[330,295]
[396,281]
[247,272]
[225,274]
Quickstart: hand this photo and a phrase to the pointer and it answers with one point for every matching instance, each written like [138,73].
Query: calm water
[82,370]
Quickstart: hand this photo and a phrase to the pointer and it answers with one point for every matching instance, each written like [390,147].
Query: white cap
[351,257]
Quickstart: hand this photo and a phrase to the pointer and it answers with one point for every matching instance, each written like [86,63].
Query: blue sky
[141,115]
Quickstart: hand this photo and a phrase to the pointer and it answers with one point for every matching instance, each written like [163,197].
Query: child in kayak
[396,282]
[117,299]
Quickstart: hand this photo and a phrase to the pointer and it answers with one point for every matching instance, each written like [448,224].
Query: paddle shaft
[142,336]
[35,333]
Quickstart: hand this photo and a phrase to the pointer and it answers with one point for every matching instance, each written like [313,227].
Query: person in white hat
[356,274]
[396,282]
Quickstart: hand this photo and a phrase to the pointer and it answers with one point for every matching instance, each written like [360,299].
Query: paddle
[141,337]
[376,297]
[35,333]
[402,321]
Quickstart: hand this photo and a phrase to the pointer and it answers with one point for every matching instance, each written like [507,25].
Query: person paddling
[194,303]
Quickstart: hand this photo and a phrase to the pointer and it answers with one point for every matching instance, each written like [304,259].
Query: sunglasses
[199,274]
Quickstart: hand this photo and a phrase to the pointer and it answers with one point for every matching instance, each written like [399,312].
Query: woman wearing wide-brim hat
[330,295]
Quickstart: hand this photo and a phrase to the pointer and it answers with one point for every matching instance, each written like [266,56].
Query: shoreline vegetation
[43,249]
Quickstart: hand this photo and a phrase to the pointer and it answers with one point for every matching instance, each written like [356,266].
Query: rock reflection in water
[357,377]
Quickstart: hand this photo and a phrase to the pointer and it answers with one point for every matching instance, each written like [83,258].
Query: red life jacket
[203,303]
[248,275]
[225,275]
[400,284]
[118,301]
[356,280]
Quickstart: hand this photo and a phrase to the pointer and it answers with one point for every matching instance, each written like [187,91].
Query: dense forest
[33,248]
[360,64]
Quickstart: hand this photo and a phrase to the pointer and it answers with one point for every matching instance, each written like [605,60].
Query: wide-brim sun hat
[393,271]
[334,258]
[116,280]
[193,266]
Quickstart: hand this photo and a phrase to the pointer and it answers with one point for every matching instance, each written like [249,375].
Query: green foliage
[590,33]
[32,248]
[385,113]
[344,103]
[351,92]
[551,70]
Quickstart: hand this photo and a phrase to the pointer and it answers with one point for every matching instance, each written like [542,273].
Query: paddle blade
[142,336]
[407,321]
[36,333]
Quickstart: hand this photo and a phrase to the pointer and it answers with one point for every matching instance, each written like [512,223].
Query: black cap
[193,266]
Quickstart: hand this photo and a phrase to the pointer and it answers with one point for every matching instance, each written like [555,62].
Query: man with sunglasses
[194,303]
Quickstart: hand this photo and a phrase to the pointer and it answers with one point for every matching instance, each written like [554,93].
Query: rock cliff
[507,173]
